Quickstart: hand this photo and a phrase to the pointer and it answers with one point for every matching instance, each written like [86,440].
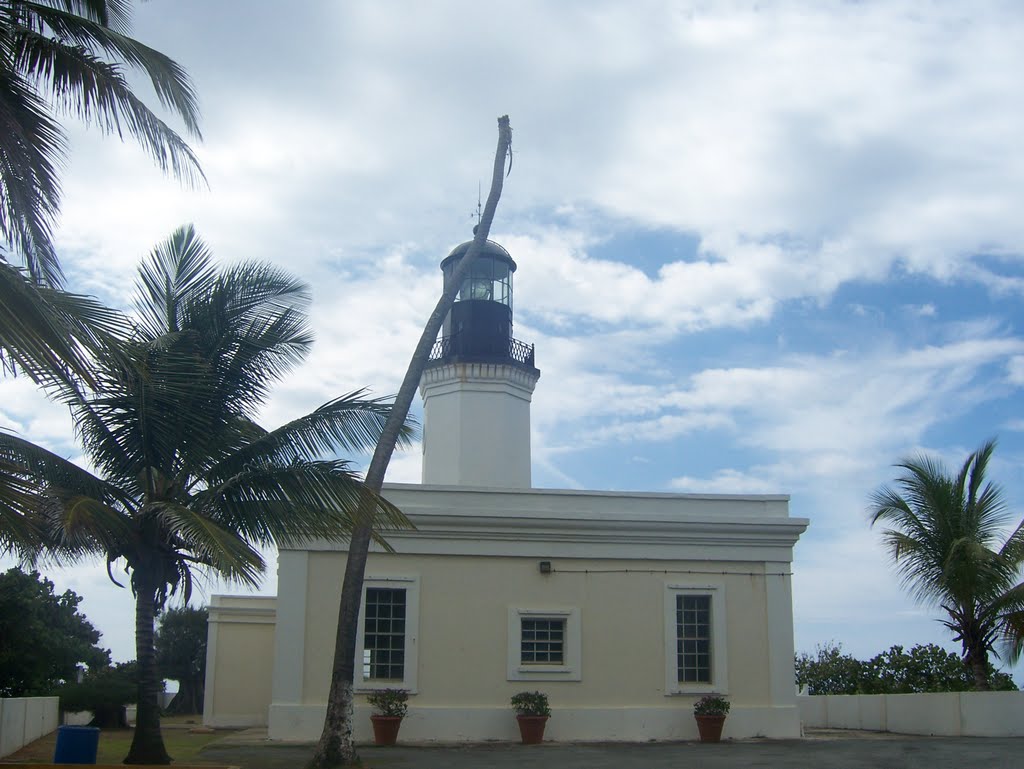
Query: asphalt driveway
[821,750]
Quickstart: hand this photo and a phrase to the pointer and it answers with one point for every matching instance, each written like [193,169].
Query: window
[543,641]
[693,639]
[388,622]
[384,634]
[695,659]
[544,644]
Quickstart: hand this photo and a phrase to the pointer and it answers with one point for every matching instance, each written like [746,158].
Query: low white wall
[25,719]
[949,714]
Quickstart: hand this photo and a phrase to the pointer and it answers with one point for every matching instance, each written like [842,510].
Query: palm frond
[96,92]
[351,422]
[21,534]
[171,83]
[297,502]
[32,146]
[169,277]
[73,510]
[217,546]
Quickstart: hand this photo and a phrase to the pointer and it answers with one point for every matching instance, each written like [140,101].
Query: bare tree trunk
[189,699]
[147,742]
[336,746]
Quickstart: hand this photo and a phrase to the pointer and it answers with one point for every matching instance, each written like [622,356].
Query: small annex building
[623,607]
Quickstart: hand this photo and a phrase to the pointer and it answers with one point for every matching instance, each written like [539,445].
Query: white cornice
[591,524]
[479,374]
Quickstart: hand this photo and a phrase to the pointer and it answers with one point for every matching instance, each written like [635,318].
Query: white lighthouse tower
[479,383]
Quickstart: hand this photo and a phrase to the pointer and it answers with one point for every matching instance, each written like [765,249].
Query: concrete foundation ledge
[137,766]
[304,723]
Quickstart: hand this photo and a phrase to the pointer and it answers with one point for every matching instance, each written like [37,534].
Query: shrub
[711,705]
[531,704]
[389,702]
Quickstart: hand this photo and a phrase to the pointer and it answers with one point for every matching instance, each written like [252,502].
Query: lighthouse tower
[478,385]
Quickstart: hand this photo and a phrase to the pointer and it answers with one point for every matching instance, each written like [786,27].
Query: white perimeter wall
[949,714]
[25,719]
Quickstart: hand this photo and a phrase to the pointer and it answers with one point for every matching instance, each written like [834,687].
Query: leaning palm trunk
[336,746]
[147,743]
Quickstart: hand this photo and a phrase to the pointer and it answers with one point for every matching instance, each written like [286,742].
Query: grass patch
[182,745]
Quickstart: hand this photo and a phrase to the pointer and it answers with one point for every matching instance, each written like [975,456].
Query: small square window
[544,644]
[543,641]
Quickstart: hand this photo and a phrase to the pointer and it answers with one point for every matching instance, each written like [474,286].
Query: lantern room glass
[489,280]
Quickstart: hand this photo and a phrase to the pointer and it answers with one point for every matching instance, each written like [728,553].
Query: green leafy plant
[389,702]
[105,692]
[711,705]
[531,704]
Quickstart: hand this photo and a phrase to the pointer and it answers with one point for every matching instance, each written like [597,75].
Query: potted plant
[710,712]
[532,713]
[389,709]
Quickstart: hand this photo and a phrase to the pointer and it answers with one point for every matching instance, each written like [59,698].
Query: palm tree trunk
[147,742]
[977,661]
[336,746]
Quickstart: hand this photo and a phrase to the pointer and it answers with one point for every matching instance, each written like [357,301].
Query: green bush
[531,704]
[104,692]
[389,702]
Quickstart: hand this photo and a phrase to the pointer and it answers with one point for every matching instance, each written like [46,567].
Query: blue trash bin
[76,745]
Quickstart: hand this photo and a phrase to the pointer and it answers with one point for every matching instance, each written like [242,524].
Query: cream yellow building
[623,607]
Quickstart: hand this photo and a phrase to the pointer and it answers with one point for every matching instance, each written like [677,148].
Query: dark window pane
[693,638]
[384,634]
[542,641]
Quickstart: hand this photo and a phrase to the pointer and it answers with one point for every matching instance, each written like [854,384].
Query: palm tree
[68,56]
[946,539]
[183,475]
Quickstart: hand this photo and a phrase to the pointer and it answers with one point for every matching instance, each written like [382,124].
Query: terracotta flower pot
[531,729]
[385,729]
[710,728]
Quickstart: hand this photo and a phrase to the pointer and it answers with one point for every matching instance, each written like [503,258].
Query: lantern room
[479,326]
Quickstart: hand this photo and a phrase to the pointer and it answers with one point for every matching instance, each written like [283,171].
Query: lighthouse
[479,383]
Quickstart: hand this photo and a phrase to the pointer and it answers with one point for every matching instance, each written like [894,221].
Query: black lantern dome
[479,326]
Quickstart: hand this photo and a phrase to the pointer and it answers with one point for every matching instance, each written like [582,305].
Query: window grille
[384,634]
[543,641]
[693,638]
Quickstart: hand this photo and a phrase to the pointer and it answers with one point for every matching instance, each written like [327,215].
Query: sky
[761,247]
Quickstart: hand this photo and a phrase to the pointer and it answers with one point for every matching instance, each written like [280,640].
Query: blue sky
[761,247]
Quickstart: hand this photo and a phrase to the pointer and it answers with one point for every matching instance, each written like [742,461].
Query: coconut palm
[946,538]
[69,57]
[183,476]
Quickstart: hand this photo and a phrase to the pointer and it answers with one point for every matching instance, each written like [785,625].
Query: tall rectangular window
[388,640]
[693,639]
[384,634]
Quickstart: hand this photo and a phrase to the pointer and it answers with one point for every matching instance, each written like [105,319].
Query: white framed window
[544,644]
[387,642]
[695,639]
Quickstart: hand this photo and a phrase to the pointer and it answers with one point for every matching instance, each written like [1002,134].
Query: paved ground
[821,750]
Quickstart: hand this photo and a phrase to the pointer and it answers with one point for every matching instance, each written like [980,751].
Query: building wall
[473,560]
[239,658]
